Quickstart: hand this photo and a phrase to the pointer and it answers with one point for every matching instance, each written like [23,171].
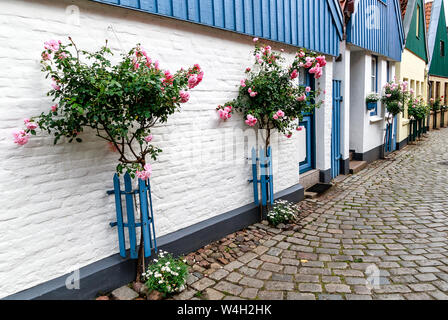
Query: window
[442,48]
[374,83]
[417,22]
[374,86]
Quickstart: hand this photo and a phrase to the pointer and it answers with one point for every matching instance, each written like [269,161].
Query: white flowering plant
[282,212]
[372,97]
[167,274]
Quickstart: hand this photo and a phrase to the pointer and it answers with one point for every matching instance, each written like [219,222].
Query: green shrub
[167,274]
[282,212]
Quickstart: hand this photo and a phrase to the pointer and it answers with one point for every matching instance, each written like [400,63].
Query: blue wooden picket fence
[266,181]
[144,206]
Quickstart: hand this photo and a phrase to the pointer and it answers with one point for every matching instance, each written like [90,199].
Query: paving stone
[282,277]
[274,251]
[278,285]
[251,282]
[306,278]
[255,263]
[185,295]
[330,297]
[248,256]
[203,284]
[422,287]
[270,295]
[124,293]
[233,265]
[290,270]
[212,294]
[234,277]
[417,296]
[310,287]
[268,258]
[263,275]
[228,287]
[337,288]
[271,267]
[248,271]
[426,277]
[218,274]
[300,296]
[358,297]
[250,293]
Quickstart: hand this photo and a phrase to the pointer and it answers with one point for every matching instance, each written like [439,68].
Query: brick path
[391,217]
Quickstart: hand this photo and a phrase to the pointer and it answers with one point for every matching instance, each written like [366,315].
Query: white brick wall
[54,212]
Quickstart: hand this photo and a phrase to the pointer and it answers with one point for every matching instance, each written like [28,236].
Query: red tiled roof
[403,5]
[428,7]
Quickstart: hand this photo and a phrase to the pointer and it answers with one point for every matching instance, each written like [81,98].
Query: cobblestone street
[390,218]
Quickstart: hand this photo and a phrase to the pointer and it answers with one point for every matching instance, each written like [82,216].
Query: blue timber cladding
[376,26]
[311,24]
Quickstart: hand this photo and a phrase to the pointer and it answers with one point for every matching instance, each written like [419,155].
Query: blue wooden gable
[376,26]
[311,24]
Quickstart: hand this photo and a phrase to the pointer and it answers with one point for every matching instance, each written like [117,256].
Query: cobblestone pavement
[391,220]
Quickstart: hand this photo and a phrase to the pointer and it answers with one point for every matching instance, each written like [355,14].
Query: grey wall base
[114,271]
[402,144]
[345,166]
[369,156]
[325,176]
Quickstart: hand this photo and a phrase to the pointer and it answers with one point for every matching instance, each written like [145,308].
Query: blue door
[336,155]
[307,123]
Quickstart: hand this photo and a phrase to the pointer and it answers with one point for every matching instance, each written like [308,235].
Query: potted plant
[372,100]
[119,102]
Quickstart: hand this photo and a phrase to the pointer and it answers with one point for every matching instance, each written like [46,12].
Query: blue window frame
[374,82]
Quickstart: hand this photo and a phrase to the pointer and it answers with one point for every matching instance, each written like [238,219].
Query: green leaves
[121,102]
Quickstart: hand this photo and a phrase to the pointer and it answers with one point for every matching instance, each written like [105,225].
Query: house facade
[200,183]
[413,66]
[437,42]
[373,47]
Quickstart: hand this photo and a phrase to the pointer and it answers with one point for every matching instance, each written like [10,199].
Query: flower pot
[371,105]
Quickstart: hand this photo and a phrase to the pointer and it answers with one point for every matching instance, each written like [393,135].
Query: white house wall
[54,212]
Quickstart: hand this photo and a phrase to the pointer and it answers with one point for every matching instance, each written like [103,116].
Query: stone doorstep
[356,166]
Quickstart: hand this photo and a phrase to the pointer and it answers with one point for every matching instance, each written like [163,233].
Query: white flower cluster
[163,273]
[282,210]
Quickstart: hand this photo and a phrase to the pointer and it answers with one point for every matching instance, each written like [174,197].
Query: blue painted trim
[375,111]
[275,20]
[308,122]
[336,155]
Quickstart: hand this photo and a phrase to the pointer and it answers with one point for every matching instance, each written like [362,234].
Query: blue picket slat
[120,230]
[255,175]
[145,217]
[151,218]
[336,130]
[271,179]
[130,214]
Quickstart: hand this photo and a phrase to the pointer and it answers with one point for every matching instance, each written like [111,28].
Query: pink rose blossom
[45,56]
[26,120]
[184,96]
[321,60]
[301,98]
[252,93]
[52,45]
[289,135]
[148,138]
[250,120]
[56,86]
[21,137]
[308,89]
[146,173]
[294,74]
[255,39]
[243,83]
[54,108]
[299,128]
[280,113]
[156,65]
[31,125]
[248,69]
[275,116]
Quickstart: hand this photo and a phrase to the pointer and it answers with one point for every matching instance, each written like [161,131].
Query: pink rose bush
[270,84]
[121,102]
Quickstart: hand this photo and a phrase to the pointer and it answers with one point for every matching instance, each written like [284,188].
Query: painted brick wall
[54,212]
